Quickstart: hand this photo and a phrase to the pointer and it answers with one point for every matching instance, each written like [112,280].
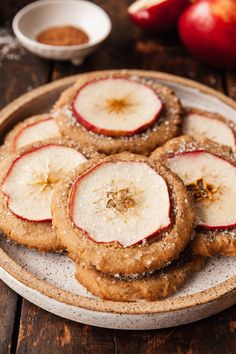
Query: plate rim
[99,305]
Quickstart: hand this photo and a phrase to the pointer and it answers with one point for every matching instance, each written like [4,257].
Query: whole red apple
[157,16]
[208,30]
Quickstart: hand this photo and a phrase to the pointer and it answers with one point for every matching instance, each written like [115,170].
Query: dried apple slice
[211,180]
[31,178]
[214,129]
[116,106]
[124,202]
[41,130]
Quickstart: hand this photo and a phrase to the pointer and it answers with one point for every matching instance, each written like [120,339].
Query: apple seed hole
[201,189]
[120,200]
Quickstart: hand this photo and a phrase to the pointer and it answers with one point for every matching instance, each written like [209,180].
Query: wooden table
[25,328]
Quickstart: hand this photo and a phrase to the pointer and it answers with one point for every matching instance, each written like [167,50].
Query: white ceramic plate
[48,281]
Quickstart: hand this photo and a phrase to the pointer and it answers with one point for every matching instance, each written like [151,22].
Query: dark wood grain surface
[25,328]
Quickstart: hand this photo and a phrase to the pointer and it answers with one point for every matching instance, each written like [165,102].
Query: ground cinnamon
[63,35]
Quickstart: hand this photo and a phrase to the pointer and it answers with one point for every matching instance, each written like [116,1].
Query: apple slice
[31,178]
[126,201]
[210,128]
[44,129]
[116,106]
[157,16]
[211,179]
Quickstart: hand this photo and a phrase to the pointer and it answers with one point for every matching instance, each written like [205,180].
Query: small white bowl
[40,15]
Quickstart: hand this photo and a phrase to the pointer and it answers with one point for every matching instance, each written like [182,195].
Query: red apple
[157,16]
[208,30]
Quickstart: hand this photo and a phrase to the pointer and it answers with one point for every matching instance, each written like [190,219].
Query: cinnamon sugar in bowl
[40,16]
[63,35]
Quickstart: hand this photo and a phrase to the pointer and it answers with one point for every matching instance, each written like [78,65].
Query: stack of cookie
[124,219]
[108,178]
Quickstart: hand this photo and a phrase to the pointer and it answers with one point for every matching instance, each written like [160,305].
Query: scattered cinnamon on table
[63,35]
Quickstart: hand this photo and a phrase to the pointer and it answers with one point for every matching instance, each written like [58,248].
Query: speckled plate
[48,281]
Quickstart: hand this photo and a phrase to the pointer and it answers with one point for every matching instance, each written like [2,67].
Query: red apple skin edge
[201,227]
[27,126]
[71,211]
[7,175]
[113,133]
[207,28]
[159,18]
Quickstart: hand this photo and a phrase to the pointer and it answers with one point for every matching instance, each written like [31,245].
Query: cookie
[150,286]
[215,243]
[123,214]
[209,125]
[27,179]
[37,128]
[209,171]
[117,113]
